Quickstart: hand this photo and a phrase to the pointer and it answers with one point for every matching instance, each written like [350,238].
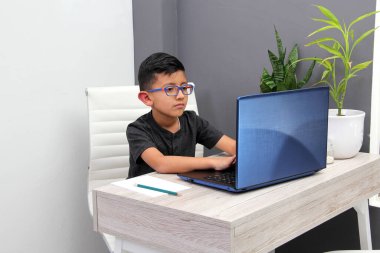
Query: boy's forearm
[181,164]
[227,144]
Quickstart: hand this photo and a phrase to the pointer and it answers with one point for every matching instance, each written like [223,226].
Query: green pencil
[156,189]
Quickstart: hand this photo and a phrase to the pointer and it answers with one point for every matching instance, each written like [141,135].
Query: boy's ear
[144,97]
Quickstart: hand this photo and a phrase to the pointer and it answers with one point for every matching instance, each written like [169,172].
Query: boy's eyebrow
[175,83]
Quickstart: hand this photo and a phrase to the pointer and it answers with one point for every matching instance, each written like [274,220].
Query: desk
[208,220]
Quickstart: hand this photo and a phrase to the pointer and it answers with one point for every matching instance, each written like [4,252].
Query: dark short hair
[155,64]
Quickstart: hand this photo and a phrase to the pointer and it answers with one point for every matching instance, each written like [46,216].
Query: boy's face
[168,106]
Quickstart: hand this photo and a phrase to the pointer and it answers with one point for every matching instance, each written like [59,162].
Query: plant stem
[347,67]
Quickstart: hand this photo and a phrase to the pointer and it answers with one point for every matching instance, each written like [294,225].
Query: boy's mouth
[180,106]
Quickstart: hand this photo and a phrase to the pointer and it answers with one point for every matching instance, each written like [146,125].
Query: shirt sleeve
[207,135]
[139,140]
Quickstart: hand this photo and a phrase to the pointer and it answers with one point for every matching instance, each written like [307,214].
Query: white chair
[110,110]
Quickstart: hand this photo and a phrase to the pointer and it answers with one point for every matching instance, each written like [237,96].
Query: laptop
[280,136]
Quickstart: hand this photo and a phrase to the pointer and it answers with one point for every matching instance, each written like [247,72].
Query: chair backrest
[110,110]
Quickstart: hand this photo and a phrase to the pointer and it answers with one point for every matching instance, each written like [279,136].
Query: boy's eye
[187,88]
[171,89]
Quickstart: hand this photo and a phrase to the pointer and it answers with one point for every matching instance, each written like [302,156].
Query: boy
[164,139]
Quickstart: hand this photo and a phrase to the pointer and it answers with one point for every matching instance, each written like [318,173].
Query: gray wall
[223,45]
[155,28]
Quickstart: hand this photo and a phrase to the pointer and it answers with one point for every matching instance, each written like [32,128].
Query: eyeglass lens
[172,90]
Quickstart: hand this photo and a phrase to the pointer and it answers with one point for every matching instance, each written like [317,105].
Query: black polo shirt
[145,133]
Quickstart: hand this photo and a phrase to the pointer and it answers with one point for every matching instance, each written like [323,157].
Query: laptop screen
[281,135]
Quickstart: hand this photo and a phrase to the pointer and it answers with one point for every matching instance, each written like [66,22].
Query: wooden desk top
[202,219]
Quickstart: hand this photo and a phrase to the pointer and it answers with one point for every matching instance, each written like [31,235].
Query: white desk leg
[118,245]
[364,225]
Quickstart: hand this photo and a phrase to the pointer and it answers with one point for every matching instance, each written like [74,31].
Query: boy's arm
[227,144]
[179,164]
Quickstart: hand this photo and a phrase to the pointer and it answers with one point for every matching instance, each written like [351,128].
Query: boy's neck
[169,123]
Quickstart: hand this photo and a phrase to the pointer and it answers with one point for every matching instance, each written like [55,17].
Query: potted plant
[284,75]
[345,126]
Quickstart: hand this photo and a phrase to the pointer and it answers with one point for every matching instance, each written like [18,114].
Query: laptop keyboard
[226,177]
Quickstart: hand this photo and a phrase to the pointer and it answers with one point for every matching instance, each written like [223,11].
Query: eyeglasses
[173,90]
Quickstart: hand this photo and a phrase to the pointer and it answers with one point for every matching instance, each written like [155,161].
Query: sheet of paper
[131,184]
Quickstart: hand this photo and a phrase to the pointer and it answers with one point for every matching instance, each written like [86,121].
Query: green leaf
[327,65]
[352,36]
[275,62]
[277,66]
[290,79]
[290,76]
[293,55]
[324,62]
[273,58]
[293,85]
[351,76]
[330,58]
[320,40]
[271,84]
[340,89]
[325,74]
[264,89]
[328,14]
[280,48]
[327,22]
[331,50]
[265,74]
[361,66]
[333,95]
[278,76]
[336,46]
[309,73]
[288,67]
[361,18]
[322,81]
[362,37]
[281,87]
[265,77]
[266,82]
[321,30]
[310,59]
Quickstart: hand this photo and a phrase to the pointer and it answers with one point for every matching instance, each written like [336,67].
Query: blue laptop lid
[281,135]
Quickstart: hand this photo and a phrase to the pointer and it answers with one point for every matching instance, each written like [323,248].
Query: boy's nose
[180,95]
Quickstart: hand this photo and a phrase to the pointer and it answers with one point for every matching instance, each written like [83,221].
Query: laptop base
[232,188]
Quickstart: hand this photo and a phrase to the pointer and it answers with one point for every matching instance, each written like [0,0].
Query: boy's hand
[222,163]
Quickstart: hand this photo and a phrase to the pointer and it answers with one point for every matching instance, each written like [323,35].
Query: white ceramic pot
[346,132]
